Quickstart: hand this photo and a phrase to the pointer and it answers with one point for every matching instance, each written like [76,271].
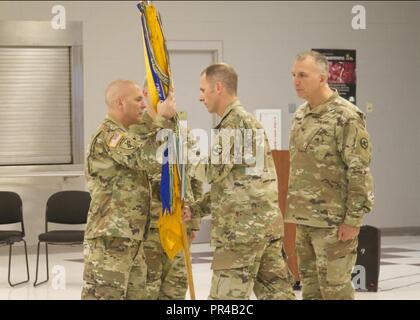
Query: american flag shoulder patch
[115,139]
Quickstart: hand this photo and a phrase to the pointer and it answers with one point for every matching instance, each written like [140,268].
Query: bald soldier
[116,165]
[330,184]
[247,226]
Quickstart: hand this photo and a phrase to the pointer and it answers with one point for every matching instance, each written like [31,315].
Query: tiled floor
[399,275]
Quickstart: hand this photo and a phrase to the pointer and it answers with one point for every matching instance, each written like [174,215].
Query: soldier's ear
[323,78]
[120,103]
[218,86]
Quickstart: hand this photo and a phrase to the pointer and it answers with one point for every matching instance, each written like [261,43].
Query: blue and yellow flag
[159,82]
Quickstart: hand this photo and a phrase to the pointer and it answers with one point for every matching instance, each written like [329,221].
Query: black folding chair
[64,207]
[11,212]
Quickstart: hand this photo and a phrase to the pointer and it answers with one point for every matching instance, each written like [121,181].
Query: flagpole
[185,240]
[187,258]
[162,80]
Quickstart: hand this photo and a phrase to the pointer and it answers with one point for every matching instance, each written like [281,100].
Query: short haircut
[319,59]
[116,89]
[225,74]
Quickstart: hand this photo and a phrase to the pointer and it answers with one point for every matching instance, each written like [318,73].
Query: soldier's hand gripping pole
[187,256]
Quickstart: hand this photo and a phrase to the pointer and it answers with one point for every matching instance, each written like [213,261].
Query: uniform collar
[115,122]
[230,107]
[323,107]
[146,118]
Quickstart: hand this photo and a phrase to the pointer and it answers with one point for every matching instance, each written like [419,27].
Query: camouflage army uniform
[330,184]
[166,279]
[247,226]
[116,167]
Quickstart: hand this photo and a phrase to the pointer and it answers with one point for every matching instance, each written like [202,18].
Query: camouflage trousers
[325,263]
[166,279]
[115,269]
[251,267]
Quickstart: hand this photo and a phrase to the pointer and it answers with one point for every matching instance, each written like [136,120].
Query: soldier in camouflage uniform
[247,225]
[330,184]
[116,167]
[166,279]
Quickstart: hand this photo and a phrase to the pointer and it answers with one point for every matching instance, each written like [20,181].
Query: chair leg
[36,283]
[10,264]
[26,257]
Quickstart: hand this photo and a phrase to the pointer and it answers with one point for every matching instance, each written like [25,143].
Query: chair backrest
[10,207]
[68,207]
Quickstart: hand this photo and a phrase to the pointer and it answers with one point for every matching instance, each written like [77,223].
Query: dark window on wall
[35,106]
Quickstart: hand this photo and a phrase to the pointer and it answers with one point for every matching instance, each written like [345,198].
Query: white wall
[260,40]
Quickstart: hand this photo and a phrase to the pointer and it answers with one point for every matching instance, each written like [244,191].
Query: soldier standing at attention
[116,164]
[330,184]
[247,225]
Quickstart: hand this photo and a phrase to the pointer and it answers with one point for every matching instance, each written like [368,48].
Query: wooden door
[282,163]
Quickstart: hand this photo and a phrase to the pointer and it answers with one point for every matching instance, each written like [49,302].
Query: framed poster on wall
[342,71]
[270,119]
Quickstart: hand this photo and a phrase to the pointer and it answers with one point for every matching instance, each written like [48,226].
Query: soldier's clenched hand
[347,232]
[167,108]
[186,214]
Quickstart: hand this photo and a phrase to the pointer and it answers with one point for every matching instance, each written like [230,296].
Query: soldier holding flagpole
[247,226]
[116,171]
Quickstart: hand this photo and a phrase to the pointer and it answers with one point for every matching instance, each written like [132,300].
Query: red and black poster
[342,71]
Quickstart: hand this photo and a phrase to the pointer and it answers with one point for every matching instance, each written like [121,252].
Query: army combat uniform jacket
[243,199]
[116,170]
[330,182]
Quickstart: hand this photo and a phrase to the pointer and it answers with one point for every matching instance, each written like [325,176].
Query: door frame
[213,46]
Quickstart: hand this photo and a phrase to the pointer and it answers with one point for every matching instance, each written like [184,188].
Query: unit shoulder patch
[364,143]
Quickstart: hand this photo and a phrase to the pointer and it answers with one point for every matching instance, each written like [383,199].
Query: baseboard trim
[402,231]
[203,238]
